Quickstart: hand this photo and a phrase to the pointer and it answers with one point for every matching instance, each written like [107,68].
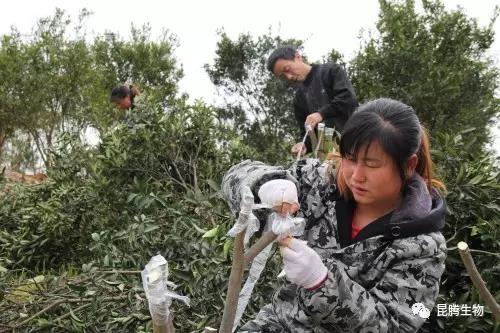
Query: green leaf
[131,197]
[211,233]
[74,317]
[151,228]
[213,185]
[198,229]
[227,246]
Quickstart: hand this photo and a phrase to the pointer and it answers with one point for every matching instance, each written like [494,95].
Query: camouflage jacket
[374,279]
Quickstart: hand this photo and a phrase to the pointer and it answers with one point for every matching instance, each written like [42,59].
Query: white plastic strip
[256,269]
[155,283]
[308,128]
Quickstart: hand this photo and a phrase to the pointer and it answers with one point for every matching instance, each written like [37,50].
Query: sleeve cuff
[325,112]
[319,284]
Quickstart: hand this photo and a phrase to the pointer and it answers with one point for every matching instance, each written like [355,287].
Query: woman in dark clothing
[372,254]
[123,96]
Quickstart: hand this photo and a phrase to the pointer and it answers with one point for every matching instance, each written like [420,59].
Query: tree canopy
[435,61]
[55,81]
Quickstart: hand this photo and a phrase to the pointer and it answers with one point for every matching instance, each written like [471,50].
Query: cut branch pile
[106,299]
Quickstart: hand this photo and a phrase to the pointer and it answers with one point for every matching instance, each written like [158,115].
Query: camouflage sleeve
[414,269]
[252,174]
[312,178]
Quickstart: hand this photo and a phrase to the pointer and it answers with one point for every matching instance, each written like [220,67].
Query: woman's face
[124,103]
[372,176]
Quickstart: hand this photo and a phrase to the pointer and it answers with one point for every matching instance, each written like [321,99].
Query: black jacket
[326,90]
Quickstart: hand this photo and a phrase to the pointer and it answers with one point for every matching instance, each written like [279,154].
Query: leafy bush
[150,187]
[473,201]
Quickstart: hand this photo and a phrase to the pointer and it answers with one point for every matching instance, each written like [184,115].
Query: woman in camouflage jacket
[374,255]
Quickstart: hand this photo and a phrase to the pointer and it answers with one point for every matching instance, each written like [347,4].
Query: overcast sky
[323,24]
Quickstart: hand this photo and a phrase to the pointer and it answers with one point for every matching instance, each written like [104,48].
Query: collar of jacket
[419,213]
[310,75]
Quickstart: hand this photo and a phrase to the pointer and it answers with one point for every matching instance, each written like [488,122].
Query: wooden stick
[168,327]
[267,238]
[159,328]
[478,282]
[234,285]
[71,300]
[119,272]
[170,324]
[66,315]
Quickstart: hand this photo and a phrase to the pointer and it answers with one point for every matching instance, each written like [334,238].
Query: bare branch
[477,280]
[234,285]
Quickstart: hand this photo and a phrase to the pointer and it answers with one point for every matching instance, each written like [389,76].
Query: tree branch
[267,238]
[477,280]
[234,284]
[71,300]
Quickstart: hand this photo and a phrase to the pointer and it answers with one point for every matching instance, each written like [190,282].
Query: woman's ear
[412,164]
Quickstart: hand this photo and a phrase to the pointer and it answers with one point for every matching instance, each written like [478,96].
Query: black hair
[117,93]
[120,92]
[395,126]
[282,52]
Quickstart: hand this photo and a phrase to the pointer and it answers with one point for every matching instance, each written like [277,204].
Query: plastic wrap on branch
[246,205]
[308,129]
[241,201]
[256,269]
[250,224]
[278,191]
[275,193]
[284,226]
[280,227]
[155,283]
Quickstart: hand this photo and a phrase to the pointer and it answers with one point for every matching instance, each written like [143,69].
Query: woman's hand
[303,266]
[287,208]
[299,147]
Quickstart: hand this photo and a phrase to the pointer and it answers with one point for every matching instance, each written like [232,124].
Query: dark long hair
[117,93]
[395,126]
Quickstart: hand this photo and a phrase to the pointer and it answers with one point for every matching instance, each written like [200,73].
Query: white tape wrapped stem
[308,128]
[246,206]
[155,283]
[159,312]
[281,227]
[284,226]
[256,269]
[258,254]
[246,220]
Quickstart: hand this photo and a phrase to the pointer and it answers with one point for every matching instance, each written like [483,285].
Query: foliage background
[151,186]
